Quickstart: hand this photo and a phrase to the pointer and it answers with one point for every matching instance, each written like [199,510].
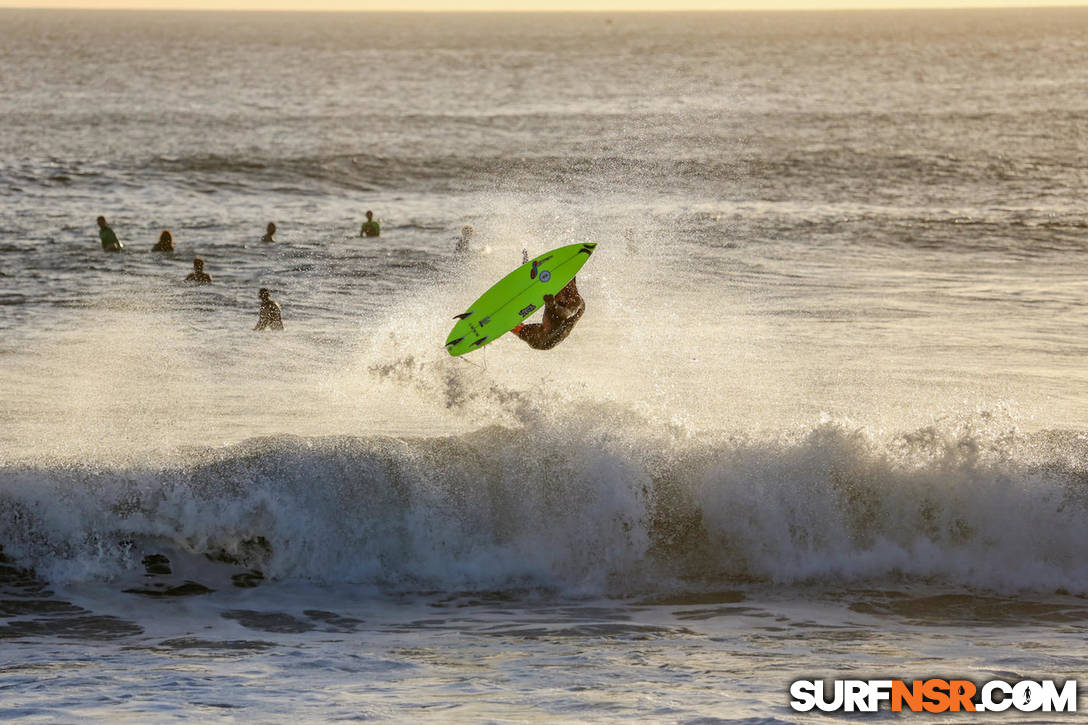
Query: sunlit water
[824,415]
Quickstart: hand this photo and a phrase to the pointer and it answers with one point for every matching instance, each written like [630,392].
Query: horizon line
[572,10]
[938,5]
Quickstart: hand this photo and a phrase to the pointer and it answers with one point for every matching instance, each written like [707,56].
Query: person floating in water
[165,243]
[198,275]
[561,314]
[110,242]
[271,316]
[466,234]
[269,232]
[370,227]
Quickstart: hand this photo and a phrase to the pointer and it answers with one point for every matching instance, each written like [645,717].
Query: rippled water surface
[824,415]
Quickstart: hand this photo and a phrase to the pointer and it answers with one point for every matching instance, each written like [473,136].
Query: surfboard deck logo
[515,296]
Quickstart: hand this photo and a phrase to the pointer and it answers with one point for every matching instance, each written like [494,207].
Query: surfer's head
[102,222]
[166,237]
[198,264]
[263,294]
[271,229]
[369,216]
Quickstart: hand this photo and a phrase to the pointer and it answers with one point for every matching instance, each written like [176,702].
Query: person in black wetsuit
[561,314]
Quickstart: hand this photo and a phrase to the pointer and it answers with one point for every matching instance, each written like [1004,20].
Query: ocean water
[826,414]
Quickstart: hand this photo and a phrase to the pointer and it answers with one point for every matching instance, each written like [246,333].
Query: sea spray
[577,504]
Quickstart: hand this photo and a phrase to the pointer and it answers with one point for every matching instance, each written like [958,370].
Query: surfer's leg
[564,305]
[568,296]
[533,334]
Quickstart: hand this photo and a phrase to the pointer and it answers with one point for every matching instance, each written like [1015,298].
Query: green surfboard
[515,297]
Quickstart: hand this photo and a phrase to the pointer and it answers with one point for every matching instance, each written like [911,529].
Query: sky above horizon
[535,5]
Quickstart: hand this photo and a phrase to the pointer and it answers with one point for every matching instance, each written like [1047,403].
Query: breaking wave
[594,504]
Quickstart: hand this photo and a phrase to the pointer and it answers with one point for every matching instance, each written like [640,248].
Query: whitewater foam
[591,503]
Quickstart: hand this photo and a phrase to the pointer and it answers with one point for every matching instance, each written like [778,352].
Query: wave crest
[589,504]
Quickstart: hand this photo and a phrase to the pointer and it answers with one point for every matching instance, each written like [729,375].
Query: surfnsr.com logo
[933,695]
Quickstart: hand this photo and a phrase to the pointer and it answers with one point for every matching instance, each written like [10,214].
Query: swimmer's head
[166,236]
[263,293]
[198,263]
[102,221]
[467,231]
[369,216]
[271,227]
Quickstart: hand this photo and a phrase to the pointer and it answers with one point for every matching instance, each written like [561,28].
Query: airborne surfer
[561,314]
[519,294]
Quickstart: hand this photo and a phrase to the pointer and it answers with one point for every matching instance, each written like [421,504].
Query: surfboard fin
[479,342]
[455,343]
[587,248]
[463,315]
